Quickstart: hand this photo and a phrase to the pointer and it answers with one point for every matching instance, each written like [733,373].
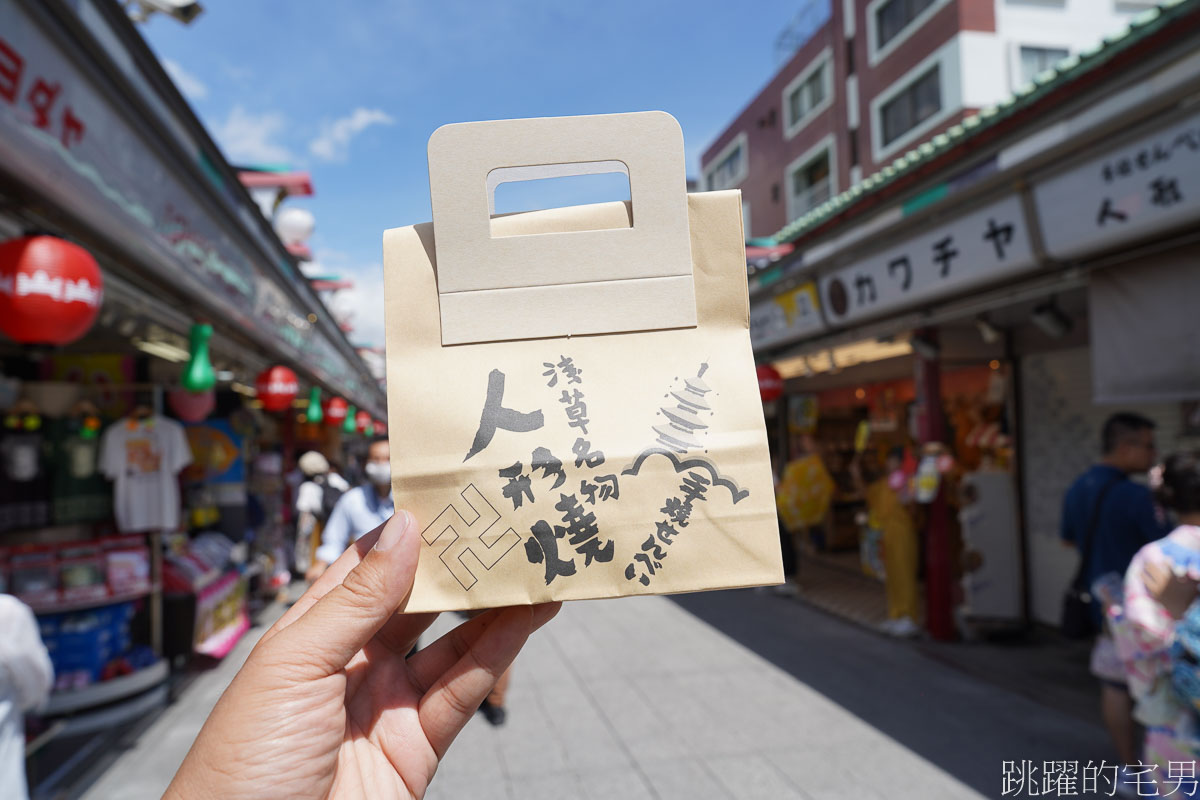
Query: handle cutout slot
[513,190]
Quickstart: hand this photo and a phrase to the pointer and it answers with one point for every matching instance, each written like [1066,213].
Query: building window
[811,184]
[916,103]
[894,16]
[1036,60]
[854,147]
[808,94]
[729,168]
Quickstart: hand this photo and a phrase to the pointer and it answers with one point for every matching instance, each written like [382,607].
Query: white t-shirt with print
[144,458]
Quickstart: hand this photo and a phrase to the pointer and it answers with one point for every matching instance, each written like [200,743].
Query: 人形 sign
[1151,184]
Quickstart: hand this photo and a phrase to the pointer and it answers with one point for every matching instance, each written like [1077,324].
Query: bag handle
[564,283]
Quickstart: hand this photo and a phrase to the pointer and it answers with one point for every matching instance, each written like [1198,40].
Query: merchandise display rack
[41,609]
[105,692]
[111,702]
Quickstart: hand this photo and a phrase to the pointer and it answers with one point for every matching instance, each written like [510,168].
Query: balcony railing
[811,197]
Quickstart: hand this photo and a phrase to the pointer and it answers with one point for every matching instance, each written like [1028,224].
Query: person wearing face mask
[358,511]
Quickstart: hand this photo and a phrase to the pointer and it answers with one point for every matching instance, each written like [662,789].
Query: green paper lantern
[348,425]
[198,375]
[314,414]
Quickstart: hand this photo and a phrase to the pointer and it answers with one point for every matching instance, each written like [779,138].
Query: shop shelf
[83,605]
[116,714]
[103,692]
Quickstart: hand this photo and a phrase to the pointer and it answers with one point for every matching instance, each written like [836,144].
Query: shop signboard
[786,317]
[64,136]
[216,453]
[1149,185]
[966,251]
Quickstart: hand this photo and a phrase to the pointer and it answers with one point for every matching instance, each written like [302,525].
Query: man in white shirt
[25,680]
[360,510]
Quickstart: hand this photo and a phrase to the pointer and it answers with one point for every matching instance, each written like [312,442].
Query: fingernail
[393,530]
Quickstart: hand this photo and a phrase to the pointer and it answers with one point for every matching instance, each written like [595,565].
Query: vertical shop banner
[975,249]
[216,453]
[1149,185]
[803,413]
[785,318]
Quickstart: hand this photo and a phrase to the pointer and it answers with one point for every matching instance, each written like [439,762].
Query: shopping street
[891,301]
[738,694]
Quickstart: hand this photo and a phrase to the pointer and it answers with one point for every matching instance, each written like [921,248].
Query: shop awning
[1145,342]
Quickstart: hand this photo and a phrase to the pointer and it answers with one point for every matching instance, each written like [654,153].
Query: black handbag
[1077,619]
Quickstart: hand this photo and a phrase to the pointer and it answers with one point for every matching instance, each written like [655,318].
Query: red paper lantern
[50,290]
[361,421]
[192,407]
[276,387]
[335,411]
[770,383]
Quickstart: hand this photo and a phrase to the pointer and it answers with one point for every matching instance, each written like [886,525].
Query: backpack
[329,497]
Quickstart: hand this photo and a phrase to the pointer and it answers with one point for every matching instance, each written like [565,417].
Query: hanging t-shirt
[24,479]
[143,458]
[81,492]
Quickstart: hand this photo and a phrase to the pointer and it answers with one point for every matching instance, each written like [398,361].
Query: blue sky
[352,91]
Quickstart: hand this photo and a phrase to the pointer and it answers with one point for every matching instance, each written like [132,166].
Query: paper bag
[572,401]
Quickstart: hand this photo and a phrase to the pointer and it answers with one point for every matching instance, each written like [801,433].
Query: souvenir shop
[162,360]
[969,313]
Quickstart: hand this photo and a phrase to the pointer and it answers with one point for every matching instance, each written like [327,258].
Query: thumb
[338,625]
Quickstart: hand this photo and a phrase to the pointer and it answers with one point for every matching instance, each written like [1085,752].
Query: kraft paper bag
[573,404]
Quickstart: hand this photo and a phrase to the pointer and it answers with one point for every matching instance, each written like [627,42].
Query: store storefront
[1038,259]
[144,509]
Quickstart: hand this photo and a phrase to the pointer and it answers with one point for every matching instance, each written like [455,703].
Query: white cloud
[334,142]
[249,138]
[192,87]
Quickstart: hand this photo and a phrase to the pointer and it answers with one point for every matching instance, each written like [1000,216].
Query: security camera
[183,10]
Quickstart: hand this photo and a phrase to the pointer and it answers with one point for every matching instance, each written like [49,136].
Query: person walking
[1108,518]
[316,498]
[26,676]
[1159,589]
[882,488]
[358,511]
[802,497]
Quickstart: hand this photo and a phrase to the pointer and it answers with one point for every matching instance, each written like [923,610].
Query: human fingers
[323,639]
[455,696]
[432,661]
[400,633]
[1156,577]
[332,576]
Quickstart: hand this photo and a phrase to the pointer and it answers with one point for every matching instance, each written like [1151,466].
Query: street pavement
[738,694]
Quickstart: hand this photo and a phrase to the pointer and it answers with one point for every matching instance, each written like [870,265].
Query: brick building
[878,78]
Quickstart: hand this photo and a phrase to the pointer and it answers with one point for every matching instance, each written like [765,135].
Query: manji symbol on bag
[573,405]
